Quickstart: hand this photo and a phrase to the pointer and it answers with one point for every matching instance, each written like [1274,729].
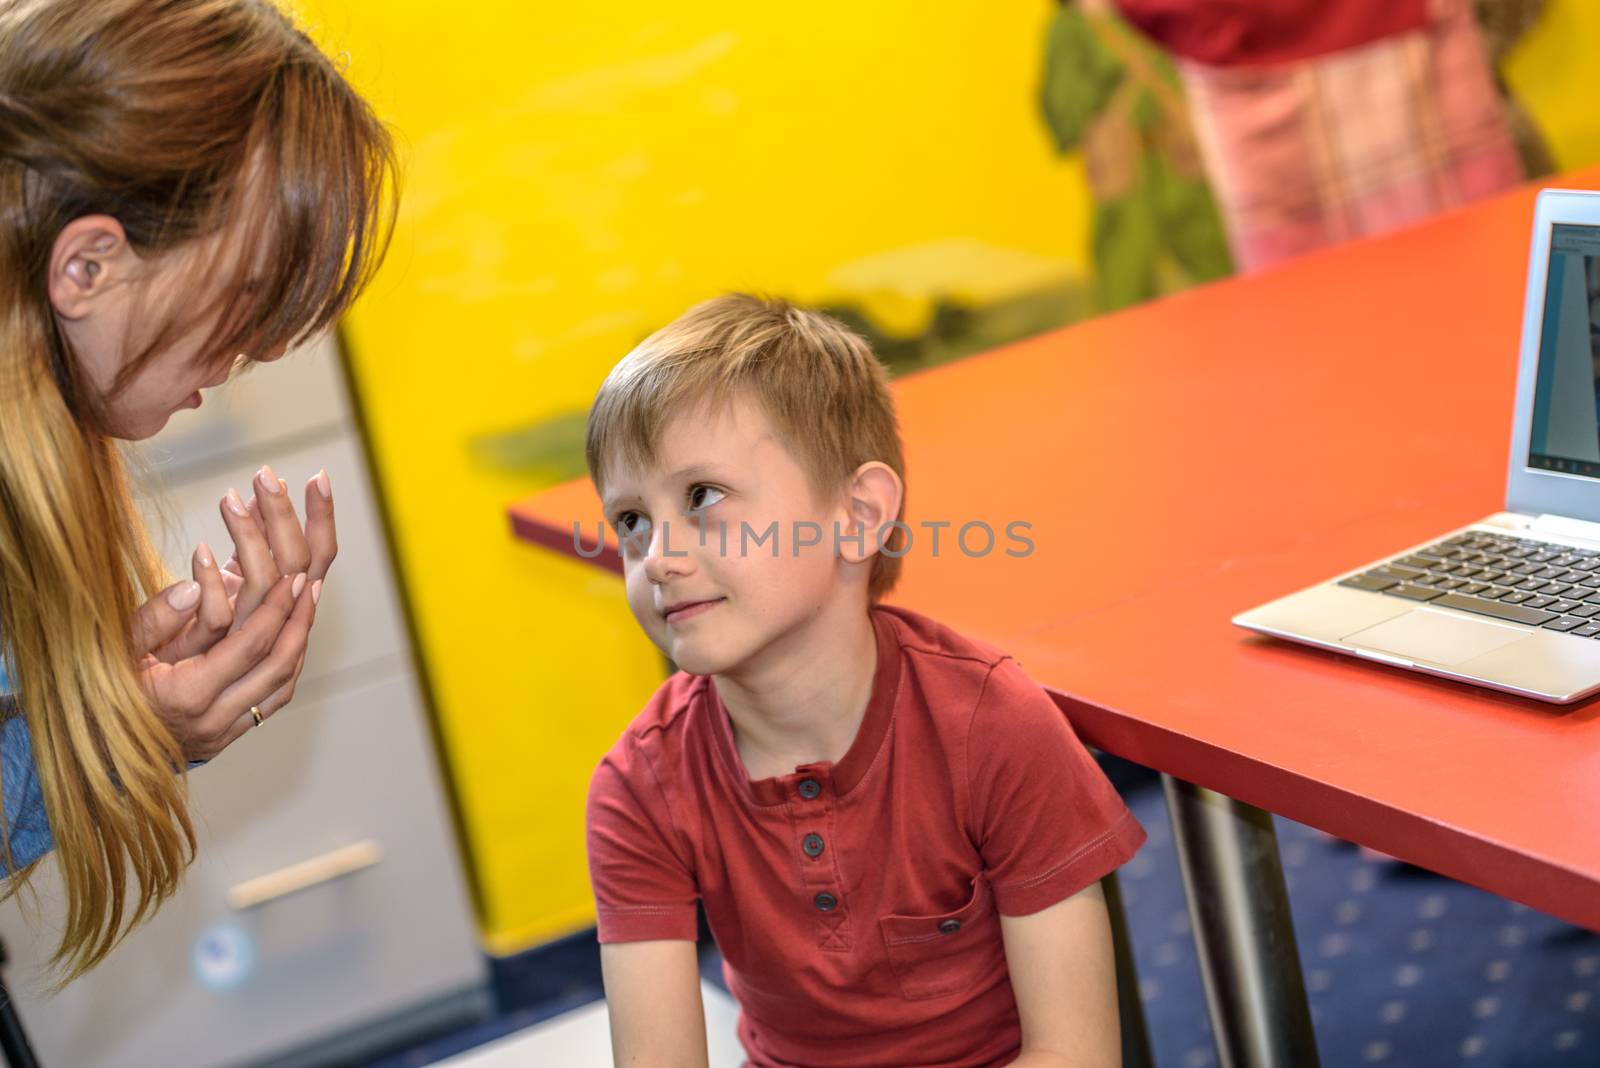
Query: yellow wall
[577,175]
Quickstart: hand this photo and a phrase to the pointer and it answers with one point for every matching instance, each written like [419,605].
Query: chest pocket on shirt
[945,954]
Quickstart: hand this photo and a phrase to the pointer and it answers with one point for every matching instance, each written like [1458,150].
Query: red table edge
[582,546]
[1539,884]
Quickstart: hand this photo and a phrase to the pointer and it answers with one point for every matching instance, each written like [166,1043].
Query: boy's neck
[804,702]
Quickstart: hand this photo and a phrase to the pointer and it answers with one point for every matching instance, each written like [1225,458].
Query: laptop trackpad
[1435,637]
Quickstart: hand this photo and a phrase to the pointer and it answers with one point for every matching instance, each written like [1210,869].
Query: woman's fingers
[245,720]
[243,650]
[321,537]
[254,557]
[214,617]
[270,684]
[284,536]
[163,617]
[284,694]
[255,513]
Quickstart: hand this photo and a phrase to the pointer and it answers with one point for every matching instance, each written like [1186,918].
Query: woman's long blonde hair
[183,120]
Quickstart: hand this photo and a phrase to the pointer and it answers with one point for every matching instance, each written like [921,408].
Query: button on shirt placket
[810,815]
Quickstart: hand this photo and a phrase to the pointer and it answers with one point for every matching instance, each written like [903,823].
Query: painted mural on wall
[1111,95]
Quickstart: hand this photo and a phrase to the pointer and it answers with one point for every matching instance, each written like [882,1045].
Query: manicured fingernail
[184,596]
[203,555]
[323,486]
[235,505]
[267,479]
[299,583]
[316,591]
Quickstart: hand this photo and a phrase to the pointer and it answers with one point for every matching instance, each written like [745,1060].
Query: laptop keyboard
[1519,580]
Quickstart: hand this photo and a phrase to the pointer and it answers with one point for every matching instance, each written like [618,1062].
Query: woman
[185,185]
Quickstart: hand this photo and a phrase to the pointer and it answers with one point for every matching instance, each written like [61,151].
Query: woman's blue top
[26,822]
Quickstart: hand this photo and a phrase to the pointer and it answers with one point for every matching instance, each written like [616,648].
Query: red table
[1194,457]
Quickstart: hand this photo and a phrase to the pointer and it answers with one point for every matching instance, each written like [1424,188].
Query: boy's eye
[703,497]
[632,525]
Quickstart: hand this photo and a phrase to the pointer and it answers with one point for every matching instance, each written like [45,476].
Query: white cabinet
[340,790]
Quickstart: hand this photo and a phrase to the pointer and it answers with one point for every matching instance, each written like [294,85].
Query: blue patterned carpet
[1402,967]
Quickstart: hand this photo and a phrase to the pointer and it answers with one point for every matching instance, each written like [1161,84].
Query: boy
[894,832]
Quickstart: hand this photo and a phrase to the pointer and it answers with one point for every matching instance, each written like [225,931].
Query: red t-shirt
[1227,33]
[857,904]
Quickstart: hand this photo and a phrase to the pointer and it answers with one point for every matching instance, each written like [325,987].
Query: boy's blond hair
[820,385]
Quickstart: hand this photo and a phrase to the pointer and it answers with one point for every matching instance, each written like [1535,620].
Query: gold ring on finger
[255,714]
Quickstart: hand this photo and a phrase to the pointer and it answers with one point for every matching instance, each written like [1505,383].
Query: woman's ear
[90,256]
[873,499]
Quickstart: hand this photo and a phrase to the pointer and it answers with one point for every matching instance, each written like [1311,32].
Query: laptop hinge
[1566,527]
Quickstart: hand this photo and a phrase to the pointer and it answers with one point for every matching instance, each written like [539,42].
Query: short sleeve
[1048,821]
[643,888]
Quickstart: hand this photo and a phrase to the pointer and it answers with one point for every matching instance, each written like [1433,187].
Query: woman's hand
[191,619]
[206,699]
[274,550]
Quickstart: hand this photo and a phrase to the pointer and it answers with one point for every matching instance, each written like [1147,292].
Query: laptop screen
[1565,435]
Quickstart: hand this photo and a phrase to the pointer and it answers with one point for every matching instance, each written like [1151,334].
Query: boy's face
[708,593]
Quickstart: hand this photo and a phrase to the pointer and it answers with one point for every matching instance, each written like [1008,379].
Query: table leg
[1130,1010]
[1239,907]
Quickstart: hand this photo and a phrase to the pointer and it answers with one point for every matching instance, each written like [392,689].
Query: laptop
[1511,602]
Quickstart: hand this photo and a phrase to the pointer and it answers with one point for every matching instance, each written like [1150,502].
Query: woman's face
[109,301]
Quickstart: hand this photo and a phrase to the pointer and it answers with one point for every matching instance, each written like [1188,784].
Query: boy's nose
[668,555]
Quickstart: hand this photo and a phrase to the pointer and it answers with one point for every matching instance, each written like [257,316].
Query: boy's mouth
[686,609]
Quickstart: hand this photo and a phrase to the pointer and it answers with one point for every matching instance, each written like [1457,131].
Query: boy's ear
[873,500]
